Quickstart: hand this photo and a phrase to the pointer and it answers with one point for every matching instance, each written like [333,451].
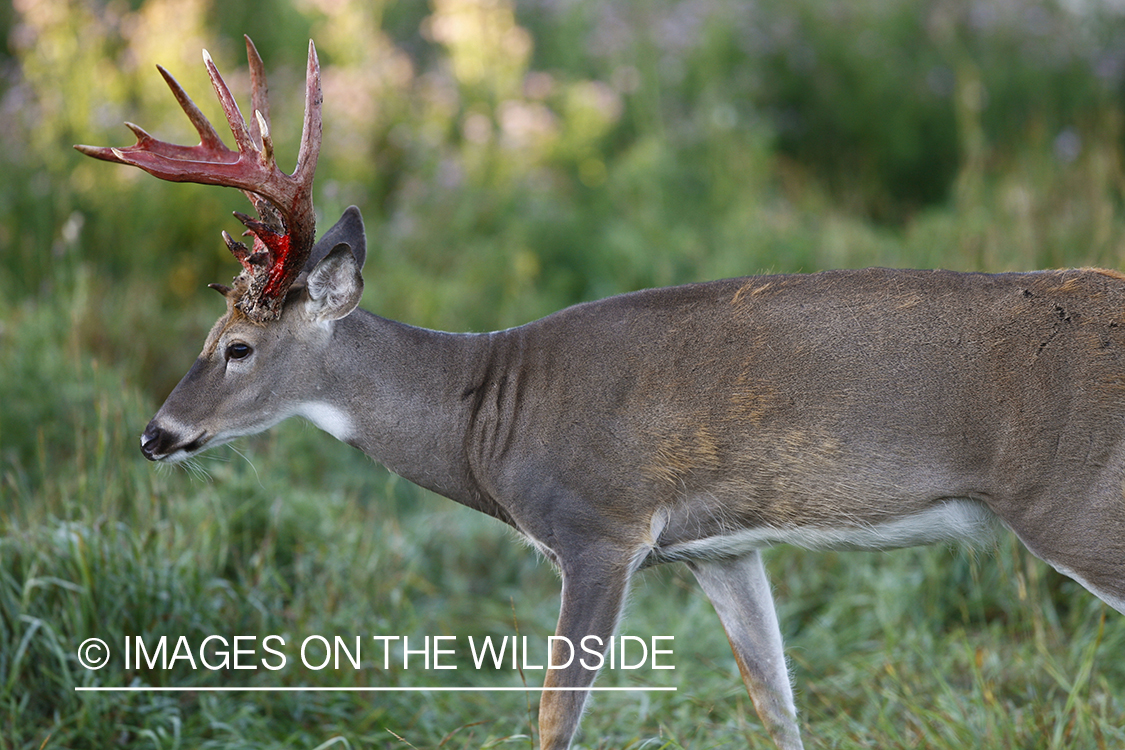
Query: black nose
[155,442]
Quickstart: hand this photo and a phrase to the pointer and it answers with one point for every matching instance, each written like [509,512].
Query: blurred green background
[511,158]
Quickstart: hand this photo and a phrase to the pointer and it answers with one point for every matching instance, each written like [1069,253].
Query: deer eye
[238,350]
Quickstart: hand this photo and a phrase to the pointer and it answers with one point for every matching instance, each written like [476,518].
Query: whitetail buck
[844,409]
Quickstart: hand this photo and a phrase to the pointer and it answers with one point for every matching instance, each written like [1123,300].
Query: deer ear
[349,230]
[334,286]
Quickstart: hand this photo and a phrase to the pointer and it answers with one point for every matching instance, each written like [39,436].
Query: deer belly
[949,520]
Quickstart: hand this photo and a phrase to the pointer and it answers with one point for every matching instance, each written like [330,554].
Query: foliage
[511,159]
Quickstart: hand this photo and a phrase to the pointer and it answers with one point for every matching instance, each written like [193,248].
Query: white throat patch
[333,420]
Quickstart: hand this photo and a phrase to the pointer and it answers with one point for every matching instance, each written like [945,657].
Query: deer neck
[397,394]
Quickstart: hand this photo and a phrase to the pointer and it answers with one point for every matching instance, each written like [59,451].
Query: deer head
[220,397]
[285,229]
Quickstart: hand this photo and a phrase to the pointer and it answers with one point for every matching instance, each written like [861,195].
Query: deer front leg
[740,593]
[593,594]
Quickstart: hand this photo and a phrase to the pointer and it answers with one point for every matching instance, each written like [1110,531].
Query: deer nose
[154,441]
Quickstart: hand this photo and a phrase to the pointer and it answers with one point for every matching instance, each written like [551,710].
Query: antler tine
[259,98]
[208,137]
[285,233]
[311,130]
[230,107]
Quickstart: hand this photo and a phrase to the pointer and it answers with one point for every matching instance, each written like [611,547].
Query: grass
[655,165]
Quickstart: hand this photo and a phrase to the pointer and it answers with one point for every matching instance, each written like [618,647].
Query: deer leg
[593,594]
[740,593]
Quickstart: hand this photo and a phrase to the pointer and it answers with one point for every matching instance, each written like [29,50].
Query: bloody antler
[286,228]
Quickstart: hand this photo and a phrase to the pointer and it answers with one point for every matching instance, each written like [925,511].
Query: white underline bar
[364,689]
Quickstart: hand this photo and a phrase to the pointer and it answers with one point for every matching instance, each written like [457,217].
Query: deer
[703,423]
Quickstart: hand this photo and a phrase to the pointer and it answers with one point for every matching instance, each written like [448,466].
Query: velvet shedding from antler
[285,230]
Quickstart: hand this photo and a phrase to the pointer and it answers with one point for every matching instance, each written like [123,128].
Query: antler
[285,231]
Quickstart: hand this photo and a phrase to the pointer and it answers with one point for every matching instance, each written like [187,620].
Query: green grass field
[578,152]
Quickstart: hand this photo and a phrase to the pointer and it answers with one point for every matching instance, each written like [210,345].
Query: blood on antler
[285,230]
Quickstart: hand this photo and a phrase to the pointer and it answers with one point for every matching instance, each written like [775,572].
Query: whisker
[195,469]
[252,466]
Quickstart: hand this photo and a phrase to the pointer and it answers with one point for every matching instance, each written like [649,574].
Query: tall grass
[614,146]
